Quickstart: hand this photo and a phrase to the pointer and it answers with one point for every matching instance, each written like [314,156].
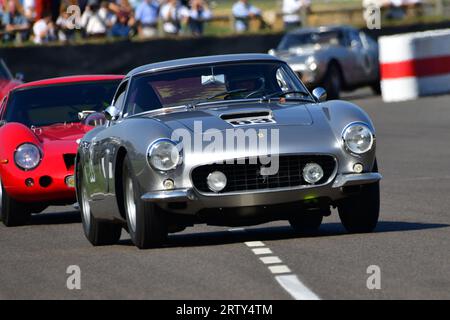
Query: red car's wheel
[13,212]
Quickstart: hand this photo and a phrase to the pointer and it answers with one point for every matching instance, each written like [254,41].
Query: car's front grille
[247,177]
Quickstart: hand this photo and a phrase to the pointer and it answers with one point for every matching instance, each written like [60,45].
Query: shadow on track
[55,218]
[280,233]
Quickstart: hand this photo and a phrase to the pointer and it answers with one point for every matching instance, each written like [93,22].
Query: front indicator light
[358,168]
[70,181]
[168,184]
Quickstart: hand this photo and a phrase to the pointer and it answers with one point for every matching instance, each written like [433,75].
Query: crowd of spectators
[43,21]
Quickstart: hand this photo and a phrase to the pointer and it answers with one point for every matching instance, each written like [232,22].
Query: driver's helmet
[251,83]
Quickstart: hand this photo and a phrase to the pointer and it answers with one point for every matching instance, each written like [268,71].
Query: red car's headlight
[27,156]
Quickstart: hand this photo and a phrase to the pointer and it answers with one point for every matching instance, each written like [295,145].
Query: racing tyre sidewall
[99,233]
[333,82]
[360,213]
[13,213]
[146,222]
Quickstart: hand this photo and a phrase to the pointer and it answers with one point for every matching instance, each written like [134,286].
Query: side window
[120,95]
[355,40]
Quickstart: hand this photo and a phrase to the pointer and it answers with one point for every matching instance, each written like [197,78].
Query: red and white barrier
[414,65]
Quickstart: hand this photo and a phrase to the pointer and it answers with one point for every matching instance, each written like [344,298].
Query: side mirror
[319,94]
[19,76]
[111,113]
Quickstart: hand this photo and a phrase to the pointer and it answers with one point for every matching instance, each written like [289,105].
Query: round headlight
[358,138]
[312,173]
[27,156]
[217,181]
[163,155]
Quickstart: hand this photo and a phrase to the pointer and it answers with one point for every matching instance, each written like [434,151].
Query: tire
[306,222]
[98,232]
[13,213]
[146,222]
[360,213]
[333,81]
[376,88]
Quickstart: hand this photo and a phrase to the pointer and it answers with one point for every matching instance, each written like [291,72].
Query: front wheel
[360,213]
[13,213]
[98,232]
[146,222]
[333,82]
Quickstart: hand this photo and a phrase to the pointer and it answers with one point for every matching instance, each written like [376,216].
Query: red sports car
[7,81]
[41,123]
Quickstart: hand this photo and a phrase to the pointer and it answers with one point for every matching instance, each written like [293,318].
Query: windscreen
[210,83]
[46,105]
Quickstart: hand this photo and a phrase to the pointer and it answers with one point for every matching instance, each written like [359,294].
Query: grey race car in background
[335,57]
[136,173]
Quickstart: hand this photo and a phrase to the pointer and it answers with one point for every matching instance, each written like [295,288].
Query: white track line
[270,260]
[252,244]
[296,288]
[260,251]
[279,269]
[283,274]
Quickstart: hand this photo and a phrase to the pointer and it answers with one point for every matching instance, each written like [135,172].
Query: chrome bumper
[346,180]
[188,194]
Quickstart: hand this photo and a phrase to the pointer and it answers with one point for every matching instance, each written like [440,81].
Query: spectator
[396,10]
[243,11]
[92,21]
[122,27]
[135,3]
[107,15]
[44,30]
[198,14]
[29,9]
[125,22]
[146,16]
[292,12]
[42,8]
[66,29]
[15,23]
[173,15]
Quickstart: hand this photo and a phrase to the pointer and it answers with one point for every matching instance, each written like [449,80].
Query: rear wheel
[360,213]
[98,232]
[333,82]
[306,222]
[13,213]
[146,222]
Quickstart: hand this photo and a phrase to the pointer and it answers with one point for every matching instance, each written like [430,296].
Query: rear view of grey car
[322,56]
[227,140]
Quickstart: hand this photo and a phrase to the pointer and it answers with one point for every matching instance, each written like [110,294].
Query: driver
[250,84]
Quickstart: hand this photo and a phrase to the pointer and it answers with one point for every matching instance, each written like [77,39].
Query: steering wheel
[94,119]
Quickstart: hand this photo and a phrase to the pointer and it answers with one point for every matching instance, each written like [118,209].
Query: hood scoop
[248,118]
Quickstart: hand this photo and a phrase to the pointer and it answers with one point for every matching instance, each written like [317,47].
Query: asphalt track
[411,245]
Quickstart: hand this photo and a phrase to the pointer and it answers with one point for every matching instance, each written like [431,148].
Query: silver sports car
[335,57]
[228,140]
